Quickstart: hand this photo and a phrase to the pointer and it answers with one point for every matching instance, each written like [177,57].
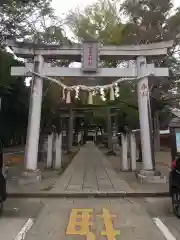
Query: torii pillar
[32,141]
[145,117]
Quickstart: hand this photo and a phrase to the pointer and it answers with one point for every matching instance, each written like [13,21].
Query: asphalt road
[60,219]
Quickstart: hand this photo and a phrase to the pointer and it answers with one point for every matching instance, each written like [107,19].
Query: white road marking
[165,231]
[27,226]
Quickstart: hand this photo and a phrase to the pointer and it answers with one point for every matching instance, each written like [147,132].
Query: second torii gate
[89,54]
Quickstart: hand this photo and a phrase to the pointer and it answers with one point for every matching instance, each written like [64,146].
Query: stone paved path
[90,171]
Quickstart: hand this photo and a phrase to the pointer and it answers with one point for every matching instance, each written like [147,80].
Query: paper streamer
[90,98]
[63,92]
[68,97]
[112,97]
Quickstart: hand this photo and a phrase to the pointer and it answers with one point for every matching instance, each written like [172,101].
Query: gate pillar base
[151,176]
[29,177]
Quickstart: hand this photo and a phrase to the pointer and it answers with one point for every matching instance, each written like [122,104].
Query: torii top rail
[74,52]
[89,53]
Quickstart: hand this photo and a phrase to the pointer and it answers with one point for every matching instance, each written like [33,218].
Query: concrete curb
[89,195]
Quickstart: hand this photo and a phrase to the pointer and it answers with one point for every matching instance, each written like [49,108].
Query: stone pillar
[109,126]
[124,152]
[32,141]
[114,138]
[78,138]
[82,138]
[133,151]
[157,144]
[58,153]
[144,115]
[70,129]
[49,151]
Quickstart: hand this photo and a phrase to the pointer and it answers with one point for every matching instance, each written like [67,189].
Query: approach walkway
[90,171]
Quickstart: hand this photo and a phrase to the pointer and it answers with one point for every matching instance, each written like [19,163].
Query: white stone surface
[58,153]
[124,157]
[133,151]
[32,141]
[143,101]
[49,150]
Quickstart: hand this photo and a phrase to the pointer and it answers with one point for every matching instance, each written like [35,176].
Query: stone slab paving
[49,176]
[90,171]
[162,164]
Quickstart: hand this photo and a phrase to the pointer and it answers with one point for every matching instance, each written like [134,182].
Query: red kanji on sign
[90,56]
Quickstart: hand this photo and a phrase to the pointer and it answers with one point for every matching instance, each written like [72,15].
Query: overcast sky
[62,7]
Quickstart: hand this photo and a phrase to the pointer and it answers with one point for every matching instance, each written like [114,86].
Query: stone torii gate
[89,53]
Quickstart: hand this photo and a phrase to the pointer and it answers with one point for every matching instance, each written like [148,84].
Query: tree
[18,19]
[147,20]
[5,2]
[36,22]
[99,21]
[153,21]
[21,19]
[14,102]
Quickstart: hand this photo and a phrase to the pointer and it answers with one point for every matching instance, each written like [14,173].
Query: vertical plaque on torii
[90,56]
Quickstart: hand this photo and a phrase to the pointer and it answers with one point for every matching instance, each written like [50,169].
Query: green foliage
[8,2]
[98,21]
[14,102]
[147,20]
[154,21]
[31,21]
[21,19]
